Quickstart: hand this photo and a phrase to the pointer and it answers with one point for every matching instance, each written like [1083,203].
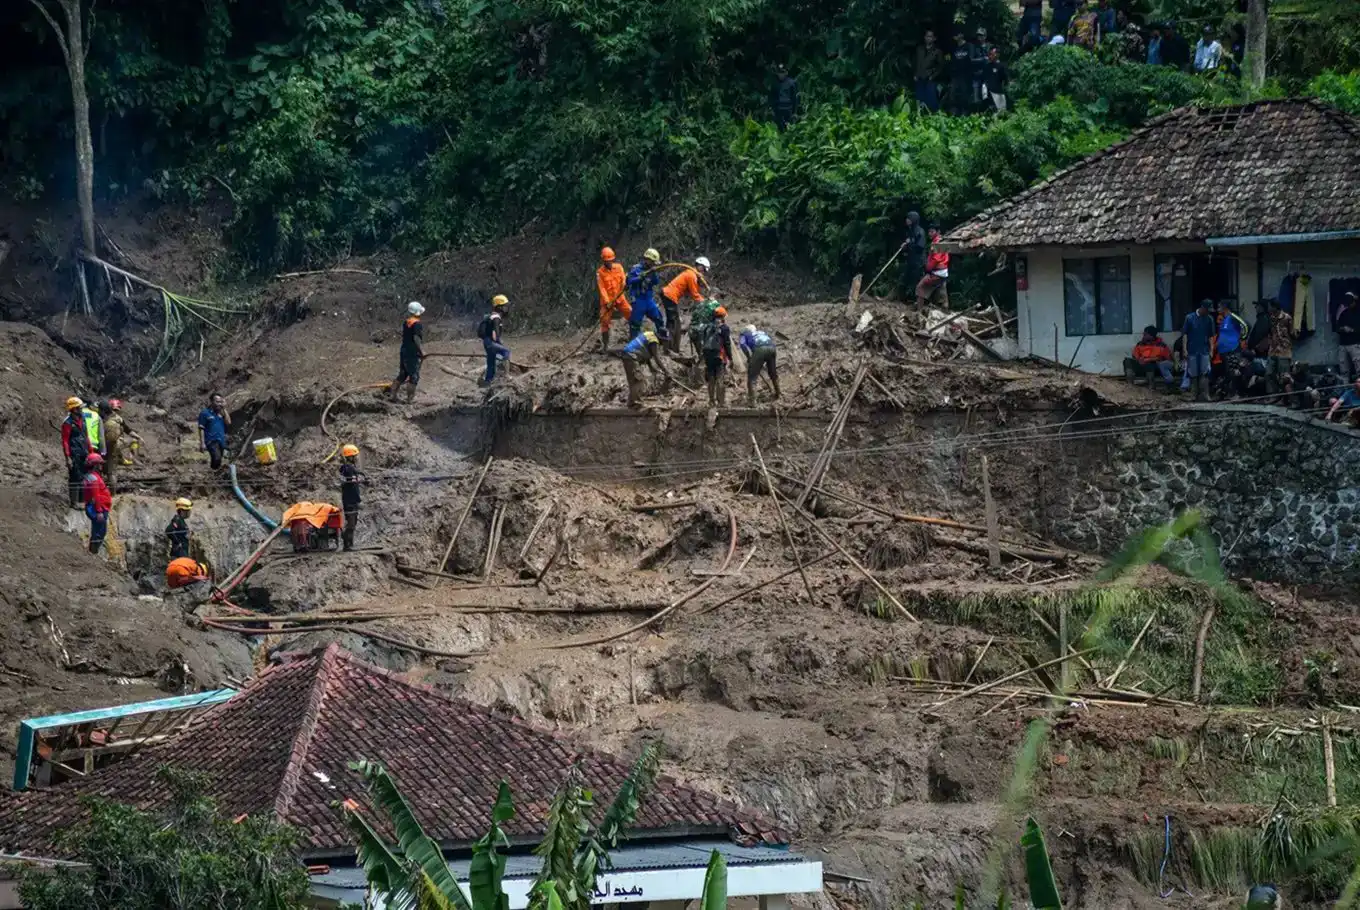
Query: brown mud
[801,706]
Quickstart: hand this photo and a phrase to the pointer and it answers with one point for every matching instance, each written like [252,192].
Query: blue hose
[269,523]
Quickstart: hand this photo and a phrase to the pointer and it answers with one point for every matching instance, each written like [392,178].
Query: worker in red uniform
[75,445]
[98,500]
[682,286]
[609,281]
[933,286]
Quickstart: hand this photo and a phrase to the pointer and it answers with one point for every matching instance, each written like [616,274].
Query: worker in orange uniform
[350,479]
[183,572]
[686,284]
[609,281]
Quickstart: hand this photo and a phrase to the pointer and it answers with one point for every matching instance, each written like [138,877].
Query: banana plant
[715,883]
[1043,888]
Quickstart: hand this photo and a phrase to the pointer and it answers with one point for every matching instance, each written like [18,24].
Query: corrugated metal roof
[636,857]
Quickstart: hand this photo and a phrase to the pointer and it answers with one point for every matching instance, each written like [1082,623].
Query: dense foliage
[331,125]
[186,858]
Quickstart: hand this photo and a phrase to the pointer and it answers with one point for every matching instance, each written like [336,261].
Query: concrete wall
[1277,488]
[1260,271]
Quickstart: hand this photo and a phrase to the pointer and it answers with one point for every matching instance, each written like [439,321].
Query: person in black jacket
[784,97]
[350,479]
[961,76]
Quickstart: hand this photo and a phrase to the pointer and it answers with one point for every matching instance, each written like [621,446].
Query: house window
[1096,296]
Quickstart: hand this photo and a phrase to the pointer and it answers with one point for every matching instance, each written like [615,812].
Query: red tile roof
[1270,167]
[283,745]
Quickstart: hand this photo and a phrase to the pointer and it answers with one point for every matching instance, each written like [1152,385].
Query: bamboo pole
[854,562]
[1329,760]
[993,544]
[1016,675]
[783,522]
[1114,677]
[472,499]
[533,534]
[1201,640]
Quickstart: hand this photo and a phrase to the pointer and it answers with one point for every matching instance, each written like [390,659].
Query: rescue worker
[98,500]
[489,330]
[94,428]
[701,316]
[610,279]
[75,446]
[177,531]
[115,428]
[412,351]
[684,285]
[213,422]
[183,572]
[350,479]
[933,286]
[759,349]
[644,349]
[717,348]
[642,283]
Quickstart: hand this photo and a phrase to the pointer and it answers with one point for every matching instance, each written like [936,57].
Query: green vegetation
[1241,663]
[412,873]
[338,125]
[186,858]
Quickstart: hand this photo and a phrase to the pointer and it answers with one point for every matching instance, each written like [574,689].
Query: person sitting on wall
[1301,389]
[1151,356]
[1348,401]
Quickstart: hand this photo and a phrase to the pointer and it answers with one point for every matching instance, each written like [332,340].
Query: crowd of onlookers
[1219,356]
[969,75]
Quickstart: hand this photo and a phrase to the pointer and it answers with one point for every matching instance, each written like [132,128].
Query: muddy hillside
[842,607]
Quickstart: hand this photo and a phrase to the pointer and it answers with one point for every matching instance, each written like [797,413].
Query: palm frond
[417,846]
[384,870]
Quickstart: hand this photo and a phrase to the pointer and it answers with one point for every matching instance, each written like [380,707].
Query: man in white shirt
[1208,52]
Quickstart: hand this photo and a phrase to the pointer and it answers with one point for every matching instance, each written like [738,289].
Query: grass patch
[1241,664]
[1290,846]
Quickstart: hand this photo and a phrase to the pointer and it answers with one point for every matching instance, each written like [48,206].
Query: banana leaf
[1043,890]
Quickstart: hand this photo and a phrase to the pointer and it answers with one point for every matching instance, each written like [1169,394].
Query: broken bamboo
[1200,641]
[493,541]
[783,522]
[802,513]
[472,500]
[1329,761]
[661,506]
[1137,639]
[533,533]
[833,437]
[1016,675]
[989,507]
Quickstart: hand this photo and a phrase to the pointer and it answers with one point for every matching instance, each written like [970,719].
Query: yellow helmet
[500,300]
[649,337]
[184,503]
[73,403]
[349,450]
[651,255]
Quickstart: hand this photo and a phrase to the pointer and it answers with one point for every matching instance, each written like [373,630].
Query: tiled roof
[1270,167]
[283,745]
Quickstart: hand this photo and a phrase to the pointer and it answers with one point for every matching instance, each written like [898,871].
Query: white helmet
[414,308]
[703,263]
[750,330]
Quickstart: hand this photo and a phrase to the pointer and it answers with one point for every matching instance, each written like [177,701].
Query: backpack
[712,337]
[486,328]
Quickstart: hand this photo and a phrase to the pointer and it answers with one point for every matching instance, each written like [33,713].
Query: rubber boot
[750,394]
[1201,386]
[712,392]
[410,393]
[393,391]
[604,341]
[721,382]
[775,383]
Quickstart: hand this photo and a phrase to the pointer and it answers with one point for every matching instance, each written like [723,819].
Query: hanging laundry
[1286,294]
[1303,307]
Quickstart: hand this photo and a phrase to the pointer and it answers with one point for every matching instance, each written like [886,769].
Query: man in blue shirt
[642,283]
[213,422]
[759,349]
[1348,400]
[644,349]
[1232,330]
[1199,330]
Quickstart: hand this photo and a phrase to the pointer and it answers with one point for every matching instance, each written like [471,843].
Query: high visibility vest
[94,429]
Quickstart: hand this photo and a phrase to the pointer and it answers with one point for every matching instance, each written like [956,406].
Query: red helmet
[116,404]
[94,459]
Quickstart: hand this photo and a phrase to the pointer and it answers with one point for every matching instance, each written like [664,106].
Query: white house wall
[1040,308]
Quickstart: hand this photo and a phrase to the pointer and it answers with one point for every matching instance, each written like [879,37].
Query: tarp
[183,571]
[316,514]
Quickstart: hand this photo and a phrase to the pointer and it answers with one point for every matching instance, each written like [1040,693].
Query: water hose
[326,413]
[1166,857]
[269,523]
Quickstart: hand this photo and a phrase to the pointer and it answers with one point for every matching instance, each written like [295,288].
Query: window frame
[1096,262]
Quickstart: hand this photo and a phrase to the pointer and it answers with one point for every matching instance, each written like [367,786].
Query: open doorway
[1184,279]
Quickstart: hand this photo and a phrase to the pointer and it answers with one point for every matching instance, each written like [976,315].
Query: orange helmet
[607,254]
[721,311]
